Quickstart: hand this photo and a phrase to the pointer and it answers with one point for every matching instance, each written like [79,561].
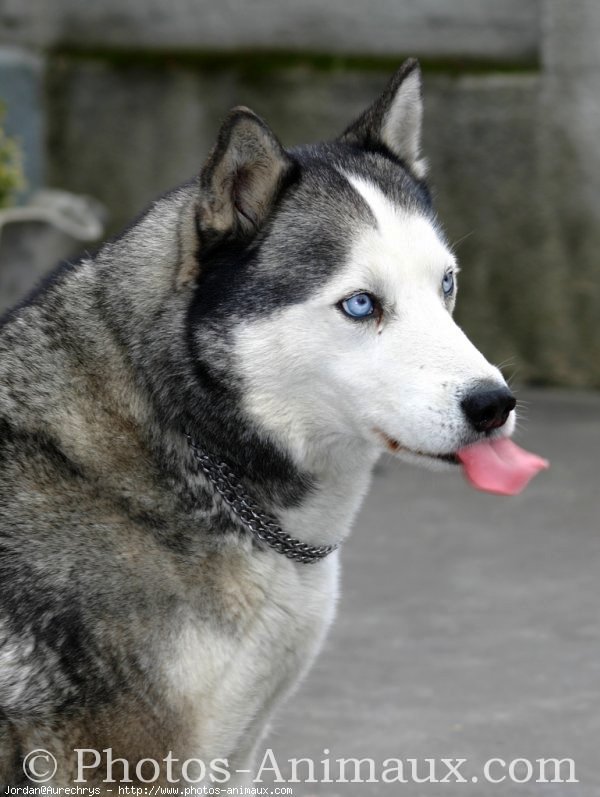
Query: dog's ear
[241,178]
[394,120]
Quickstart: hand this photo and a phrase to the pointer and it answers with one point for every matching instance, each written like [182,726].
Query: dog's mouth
[493,464]
[395,447]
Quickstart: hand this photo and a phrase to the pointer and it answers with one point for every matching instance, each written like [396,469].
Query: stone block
[476,29]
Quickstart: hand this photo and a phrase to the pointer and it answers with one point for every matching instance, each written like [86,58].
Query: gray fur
[110,540]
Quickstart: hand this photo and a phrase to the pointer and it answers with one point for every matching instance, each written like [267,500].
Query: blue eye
[360,305]
[448,284]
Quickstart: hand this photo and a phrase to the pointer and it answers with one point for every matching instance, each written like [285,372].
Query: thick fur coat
[136,613]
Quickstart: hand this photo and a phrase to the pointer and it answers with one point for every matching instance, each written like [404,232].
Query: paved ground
[469,625]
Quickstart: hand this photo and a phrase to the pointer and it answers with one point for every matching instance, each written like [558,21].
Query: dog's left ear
[241,178]
[394,120]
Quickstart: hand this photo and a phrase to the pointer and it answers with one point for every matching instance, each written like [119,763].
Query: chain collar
[261,525]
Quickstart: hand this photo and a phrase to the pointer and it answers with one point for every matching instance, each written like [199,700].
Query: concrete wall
[135,91]
[463,28]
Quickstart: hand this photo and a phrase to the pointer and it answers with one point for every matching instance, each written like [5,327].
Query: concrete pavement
[469,625]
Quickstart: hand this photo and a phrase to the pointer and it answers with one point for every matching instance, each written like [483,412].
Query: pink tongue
[500,466]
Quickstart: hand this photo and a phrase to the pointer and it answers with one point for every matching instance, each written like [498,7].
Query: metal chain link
[263,526]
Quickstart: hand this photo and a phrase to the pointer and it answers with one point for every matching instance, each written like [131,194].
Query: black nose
[488,409]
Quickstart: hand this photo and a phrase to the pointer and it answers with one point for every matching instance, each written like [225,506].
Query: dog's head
[326,285]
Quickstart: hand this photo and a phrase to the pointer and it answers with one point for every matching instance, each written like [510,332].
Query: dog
[188,424]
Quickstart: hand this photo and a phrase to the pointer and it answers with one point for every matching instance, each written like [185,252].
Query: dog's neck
[342,474]
[326,514]
[314,500]
[323,514]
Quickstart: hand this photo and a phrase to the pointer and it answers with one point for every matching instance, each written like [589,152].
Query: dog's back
[79,520]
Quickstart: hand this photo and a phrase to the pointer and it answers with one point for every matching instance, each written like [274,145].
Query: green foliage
[11,166]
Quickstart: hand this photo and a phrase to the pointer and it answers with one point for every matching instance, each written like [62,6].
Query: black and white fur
[135,613]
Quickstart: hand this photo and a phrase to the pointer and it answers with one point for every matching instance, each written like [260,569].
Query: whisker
[510,378]
[509,361]
[521,424]
[457,243]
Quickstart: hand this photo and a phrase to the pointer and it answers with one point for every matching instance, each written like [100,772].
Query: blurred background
[119,100]
[469,625]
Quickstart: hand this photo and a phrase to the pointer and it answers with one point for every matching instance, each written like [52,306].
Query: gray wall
[134,92]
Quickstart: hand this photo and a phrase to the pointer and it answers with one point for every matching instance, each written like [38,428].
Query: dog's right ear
[241,178]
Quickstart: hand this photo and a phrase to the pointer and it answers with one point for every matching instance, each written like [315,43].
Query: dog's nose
[488,409]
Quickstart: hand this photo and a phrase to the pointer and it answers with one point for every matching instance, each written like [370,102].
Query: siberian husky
[188,424]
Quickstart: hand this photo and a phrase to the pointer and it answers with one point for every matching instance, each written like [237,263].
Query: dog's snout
[488,409]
